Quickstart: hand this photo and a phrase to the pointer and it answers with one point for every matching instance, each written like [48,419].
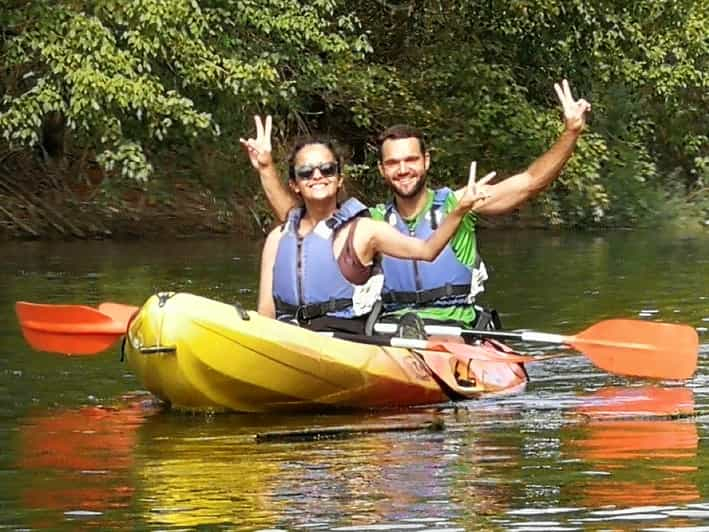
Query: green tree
[483,71]
[136,80]
[127,76]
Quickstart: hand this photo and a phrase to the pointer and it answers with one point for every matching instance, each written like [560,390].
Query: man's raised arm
[278,195]
[512,192]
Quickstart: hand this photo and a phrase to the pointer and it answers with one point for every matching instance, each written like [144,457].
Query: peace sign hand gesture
[475,193]
[574,110]
[259,149]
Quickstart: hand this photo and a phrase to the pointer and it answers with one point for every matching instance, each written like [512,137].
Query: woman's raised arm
[373,237]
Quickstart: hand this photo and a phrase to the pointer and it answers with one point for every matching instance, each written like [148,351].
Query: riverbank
[78,201]
[187,213]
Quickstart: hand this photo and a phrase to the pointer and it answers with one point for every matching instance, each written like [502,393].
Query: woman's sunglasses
[328,169]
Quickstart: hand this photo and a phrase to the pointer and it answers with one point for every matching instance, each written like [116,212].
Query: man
[443,290]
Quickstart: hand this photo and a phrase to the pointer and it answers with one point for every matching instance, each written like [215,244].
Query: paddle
[72,329]
[666,351]
[118,311]
[625,347]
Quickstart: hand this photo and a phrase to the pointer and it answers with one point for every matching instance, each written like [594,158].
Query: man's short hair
[400,131]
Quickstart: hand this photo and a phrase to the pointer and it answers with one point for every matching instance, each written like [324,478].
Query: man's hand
[474,193]
[574,110]
[259,149]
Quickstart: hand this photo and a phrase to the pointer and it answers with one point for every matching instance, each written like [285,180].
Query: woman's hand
[474,193]
[259,149]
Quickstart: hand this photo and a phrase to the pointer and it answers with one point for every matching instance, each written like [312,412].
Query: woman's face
[317,175]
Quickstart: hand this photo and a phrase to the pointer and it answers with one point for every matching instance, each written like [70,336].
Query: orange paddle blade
[68,329]
[640,348]
[119,312]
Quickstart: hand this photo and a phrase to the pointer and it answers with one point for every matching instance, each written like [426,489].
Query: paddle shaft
[450,330]
[407,343]
[460,349]
[527,336]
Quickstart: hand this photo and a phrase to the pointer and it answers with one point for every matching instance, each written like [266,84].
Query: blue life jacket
[307,281]
[443,282]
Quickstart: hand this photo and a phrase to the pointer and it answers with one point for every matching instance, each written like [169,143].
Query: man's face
[404,166]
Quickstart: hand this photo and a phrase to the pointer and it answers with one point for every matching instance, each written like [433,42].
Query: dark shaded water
[84,448]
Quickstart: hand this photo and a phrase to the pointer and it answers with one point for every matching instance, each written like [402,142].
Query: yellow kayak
[199,354]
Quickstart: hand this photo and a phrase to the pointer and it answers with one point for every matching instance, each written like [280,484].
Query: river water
[83,447]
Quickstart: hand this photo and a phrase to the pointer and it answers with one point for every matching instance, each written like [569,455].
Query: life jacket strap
[426,296]
[311,310]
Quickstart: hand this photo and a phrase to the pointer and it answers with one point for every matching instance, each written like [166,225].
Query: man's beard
[418,187]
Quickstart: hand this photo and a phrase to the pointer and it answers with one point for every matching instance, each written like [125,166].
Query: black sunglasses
[328,169]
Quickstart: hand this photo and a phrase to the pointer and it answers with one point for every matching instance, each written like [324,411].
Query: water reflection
[635,450]
[215,474]
[548,458]
[485,460]
[79,462]
[203,471]
[638,447]
[197,473]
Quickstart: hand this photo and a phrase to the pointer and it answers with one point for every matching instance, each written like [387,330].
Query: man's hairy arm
[512,192]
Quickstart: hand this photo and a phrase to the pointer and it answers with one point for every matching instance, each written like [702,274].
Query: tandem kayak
[200,354]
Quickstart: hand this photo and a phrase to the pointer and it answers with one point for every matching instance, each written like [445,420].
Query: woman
[319,267]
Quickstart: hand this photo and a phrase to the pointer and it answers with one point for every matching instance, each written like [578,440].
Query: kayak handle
[158,350]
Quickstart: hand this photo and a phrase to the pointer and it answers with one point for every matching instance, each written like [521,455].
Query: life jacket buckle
[301,314]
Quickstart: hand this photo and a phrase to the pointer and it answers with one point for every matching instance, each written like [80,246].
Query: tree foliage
[484,71]
[126,75]
[131,79]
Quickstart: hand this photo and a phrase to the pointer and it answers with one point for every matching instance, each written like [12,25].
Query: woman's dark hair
[400,131]
[302,142]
